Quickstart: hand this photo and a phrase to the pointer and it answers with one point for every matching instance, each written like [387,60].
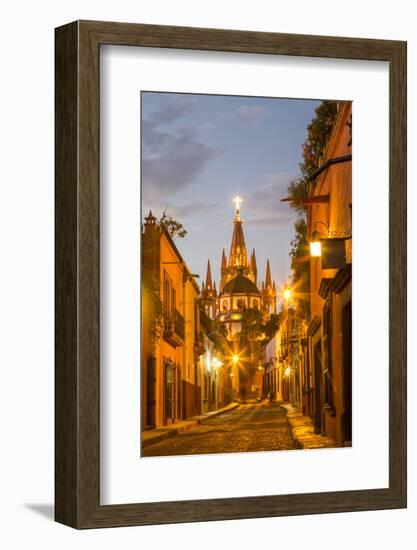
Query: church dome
[240,285]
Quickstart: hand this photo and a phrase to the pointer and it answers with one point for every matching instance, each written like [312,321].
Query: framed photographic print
[230,274]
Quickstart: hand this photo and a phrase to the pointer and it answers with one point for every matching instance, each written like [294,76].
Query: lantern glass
[315,249]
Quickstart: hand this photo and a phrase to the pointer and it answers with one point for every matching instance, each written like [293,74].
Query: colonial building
[239,288]
[182,371]
[328,380]
[171,334]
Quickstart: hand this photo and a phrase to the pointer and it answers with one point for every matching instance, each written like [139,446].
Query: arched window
[241,303]
[255,304]
[225,305]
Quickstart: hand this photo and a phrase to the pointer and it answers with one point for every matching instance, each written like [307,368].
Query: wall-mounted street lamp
[329,246]
[315,245]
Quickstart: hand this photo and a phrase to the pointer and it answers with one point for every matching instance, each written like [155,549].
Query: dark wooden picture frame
[77,360]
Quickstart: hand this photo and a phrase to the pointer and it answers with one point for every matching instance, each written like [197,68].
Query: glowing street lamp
[216,363]
[235,359]
[287,293]
[315,245]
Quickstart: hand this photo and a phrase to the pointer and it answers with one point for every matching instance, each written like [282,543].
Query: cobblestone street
[250,427]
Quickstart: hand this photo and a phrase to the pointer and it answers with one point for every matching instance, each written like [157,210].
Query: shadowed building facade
[328,381]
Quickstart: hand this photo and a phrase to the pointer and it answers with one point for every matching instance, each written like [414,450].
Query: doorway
[151,393]
[347,372]
[169,408]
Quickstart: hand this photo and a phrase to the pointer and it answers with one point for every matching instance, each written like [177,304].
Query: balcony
[174,329]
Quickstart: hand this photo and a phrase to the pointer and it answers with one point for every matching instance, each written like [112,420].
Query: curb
[160,437]
[218,413]
[310,441]
[166,433]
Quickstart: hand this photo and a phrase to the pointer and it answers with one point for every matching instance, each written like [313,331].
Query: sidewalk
[302,430]
[150,437]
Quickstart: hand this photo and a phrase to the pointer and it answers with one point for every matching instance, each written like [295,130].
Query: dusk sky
[200,151]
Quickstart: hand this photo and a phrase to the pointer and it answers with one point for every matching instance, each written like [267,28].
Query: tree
[174,227]
[252,325]
[271,326]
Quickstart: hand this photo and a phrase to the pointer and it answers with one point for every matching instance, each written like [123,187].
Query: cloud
[172,107]
[251,115]
[172,161]
[266,207]
[207,126]
[191,209]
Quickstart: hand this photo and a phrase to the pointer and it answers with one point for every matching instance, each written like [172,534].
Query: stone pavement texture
[248,427]
[150,437]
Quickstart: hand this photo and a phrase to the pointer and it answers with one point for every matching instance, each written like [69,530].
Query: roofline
[177,252]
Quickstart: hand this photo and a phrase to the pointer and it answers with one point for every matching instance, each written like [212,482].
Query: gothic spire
[254,259]
[253,271]
[268,279]
[238,255]
[224,259]
[209,283]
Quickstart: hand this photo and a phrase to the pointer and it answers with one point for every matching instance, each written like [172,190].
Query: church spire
[268,278]
[238,255]
[209,283]
[223,271]
[224,259]
[253,267]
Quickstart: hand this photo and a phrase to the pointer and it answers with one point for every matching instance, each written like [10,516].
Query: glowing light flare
[287,372]
[315,245]
[237,200]
[315,249]
[287,294]
[216,363]
[235,359]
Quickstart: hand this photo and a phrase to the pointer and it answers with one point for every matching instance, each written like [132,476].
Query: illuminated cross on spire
[237,200]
